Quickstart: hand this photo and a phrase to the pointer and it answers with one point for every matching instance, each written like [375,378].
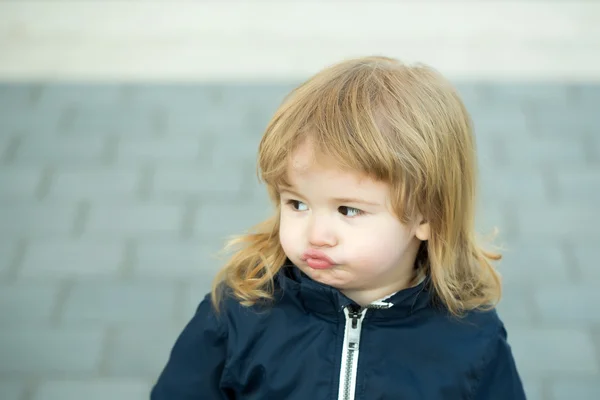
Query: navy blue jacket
[313,343]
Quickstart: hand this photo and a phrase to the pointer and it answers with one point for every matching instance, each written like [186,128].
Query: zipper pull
[354,333]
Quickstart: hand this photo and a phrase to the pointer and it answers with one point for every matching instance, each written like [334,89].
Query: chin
[331,277]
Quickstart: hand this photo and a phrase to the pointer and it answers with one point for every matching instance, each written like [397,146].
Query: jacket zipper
[354,318]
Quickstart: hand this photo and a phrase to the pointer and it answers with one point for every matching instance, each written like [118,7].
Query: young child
[367,282]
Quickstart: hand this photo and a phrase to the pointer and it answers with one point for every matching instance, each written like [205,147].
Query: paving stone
[569,304]
[119,302]
[117,389]
[541,351]
[56,259]
[27,303]
[95,183]
[50,350]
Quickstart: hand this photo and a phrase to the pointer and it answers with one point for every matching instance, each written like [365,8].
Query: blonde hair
[403,125]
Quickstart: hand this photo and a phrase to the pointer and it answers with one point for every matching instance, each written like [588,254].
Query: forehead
[305,164]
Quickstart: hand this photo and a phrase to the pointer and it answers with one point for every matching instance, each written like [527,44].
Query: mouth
[317,259]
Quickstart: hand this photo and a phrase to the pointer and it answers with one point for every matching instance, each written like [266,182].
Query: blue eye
[349,211]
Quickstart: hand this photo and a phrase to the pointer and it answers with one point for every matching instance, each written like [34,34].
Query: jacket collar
[328,301]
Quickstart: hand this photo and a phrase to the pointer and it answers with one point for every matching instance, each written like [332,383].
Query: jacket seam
[485,360]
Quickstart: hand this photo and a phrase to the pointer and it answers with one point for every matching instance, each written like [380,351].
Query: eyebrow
[336,199]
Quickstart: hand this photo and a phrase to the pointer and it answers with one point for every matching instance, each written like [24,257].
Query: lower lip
[317,263]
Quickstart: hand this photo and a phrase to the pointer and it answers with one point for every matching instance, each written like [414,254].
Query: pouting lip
[317,254]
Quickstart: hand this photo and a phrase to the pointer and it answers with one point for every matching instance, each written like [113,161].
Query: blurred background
[128,136]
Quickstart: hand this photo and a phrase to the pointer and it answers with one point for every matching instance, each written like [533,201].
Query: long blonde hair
[403,125]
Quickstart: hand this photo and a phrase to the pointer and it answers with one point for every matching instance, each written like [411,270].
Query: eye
[297,205]
[349,211]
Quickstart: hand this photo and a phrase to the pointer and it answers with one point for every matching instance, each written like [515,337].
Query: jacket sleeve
[196,363]
[499,378]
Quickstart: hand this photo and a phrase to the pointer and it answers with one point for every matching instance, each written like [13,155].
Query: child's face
[347,218]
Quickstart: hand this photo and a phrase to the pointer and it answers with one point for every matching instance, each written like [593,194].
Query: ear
[422,230]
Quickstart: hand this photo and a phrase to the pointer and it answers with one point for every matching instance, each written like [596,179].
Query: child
[367,283]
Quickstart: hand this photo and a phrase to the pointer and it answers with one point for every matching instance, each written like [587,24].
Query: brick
[112,120]
[119,302]
[566,123]
[491,215]
[516,306]
[95,183]
[58,96]
[18,95]
[242,152]
[569,304]
[195,293]
[12,390]
[557,221]
[20,120]
[134,220]
[533,389]
[177,96]
[528,152]
[19,183]
[171,259]
[579,186]
[508,122]
[589,94]
[532,93]
[586,256]
[8,250]
[27,303]
[542,351]
[59,150]
[563,389]
[501,185]
[101,389]
[49,350]
[220,221]
[141,352]
[172,181]
[64,258]
[36,220]
[530,261]
[169,149]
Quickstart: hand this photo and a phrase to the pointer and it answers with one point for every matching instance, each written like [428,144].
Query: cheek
[382,244]
[288,235]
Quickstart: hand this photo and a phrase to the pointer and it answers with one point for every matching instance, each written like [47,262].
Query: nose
[321,232]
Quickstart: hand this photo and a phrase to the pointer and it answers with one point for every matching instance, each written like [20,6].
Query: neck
[364,297]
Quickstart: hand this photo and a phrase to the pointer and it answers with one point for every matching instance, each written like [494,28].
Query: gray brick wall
[115,199]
